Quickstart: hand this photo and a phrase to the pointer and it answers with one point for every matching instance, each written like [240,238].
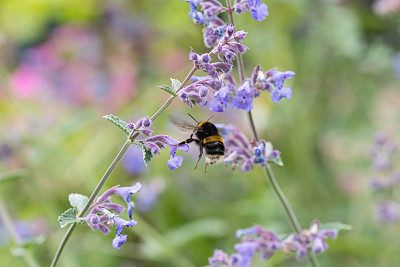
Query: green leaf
[78,201]
[69,216]
[123,125]
[167,89]
[336,225]
[147,155]
[175,84]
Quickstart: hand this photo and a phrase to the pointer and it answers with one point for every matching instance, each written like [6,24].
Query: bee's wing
[183,125]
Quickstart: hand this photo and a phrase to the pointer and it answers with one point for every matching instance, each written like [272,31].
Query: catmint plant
[218,88]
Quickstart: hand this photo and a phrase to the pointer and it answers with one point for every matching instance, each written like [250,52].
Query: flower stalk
[268,172]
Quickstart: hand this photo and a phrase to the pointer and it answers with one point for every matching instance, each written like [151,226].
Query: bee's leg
[201,154]
[187,141]
[205,168]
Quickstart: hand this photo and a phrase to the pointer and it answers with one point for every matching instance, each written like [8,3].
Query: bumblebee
[207,138]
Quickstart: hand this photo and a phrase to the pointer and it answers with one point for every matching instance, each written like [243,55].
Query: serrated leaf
[336,225]
[69,216]
[78,201]
[147,155]
[167,89]
[175,84]
[123,125]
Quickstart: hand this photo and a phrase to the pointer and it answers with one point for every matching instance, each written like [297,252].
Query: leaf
[78,201]
[175,84]
[123,125]
[336,226]
[69,216]
[167,89]
[147,155]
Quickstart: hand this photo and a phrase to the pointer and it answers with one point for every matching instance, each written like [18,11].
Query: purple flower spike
[118,241]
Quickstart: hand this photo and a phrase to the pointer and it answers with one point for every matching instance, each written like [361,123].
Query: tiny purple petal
[319,246]
[118,241]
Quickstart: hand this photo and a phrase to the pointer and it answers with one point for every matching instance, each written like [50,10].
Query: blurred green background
[65,64]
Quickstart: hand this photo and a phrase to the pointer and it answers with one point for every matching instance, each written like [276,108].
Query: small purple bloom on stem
[174,162]
[280,77]
[118,241]
[193,14]
[277,94]
[125,193]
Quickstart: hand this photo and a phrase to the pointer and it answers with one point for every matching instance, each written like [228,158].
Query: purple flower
[280,77]
[240,260]
[141,126]
[387,212]
[148,195]
[118,241]
[382,152]
[120,225]
[133,161]
[244,99]
[174,162]
[193,14]
[155,143]
[277,94]
[125,193]
[258,10]
[218,258]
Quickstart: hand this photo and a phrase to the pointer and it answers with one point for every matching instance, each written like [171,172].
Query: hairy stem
[268,173]
[9,226]
[111,168]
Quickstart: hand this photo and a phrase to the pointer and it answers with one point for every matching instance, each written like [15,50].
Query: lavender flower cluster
[158,142]
[382,153]
[240,151]
[141,126]
[212,8]
[101,218]
[227,44]
[155,143]
[259,240]
[227,48]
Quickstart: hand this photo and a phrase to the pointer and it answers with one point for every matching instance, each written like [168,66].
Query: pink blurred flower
[27,81]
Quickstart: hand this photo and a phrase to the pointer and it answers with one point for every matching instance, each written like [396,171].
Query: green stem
[268,173]
[9,226]
[111,168]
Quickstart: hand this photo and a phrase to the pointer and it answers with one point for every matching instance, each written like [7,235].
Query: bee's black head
[206,128]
